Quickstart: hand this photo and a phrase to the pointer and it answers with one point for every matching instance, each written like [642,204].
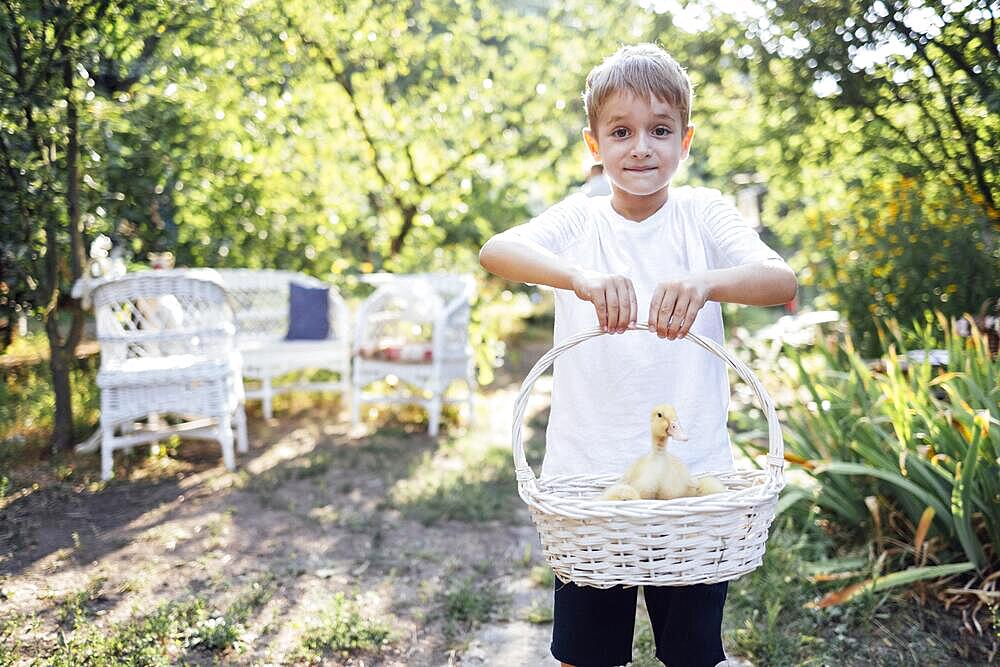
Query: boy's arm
[676,302]
[521,260]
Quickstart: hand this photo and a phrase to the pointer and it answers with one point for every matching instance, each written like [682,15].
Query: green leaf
[901,578]
[891,476]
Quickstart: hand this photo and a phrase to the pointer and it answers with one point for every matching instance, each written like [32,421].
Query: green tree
[924,77]
[56,60]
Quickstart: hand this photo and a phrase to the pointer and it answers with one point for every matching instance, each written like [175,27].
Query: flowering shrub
[897,249]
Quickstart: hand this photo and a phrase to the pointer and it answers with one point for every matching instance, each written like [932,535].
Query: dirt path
[423,538]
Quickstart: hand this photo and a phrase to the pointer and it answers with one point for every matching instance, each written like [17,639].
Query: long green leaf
[842,468]
[962,517]
[901,578]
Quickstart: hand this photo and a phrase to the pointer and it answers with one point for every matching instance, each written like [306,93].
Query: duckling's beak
[675,432]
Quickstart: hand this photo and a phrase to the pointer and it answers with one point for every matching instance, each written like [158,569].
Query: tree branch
[61,36]
[977,166]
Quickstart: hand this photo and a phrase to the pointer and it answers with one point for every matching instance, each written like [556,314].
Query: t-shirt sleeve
[731,240]
[556,228]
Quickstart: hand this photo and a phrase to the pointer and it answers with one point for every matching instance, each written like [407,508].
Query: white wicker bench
[260,299]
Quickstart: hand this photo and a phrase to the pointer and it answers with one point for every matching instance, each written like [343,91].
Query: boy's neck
[638,207]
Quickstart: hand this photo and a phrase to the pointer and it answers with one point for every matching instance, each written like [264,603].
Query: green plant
[342,628]
[896,248]
[74,608]
[469,602]
[900,437]
[539,612]
[463,480]
[543,576]
[145,641]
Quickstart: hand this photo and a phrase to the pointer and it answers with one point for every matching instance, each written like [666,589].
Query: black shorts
[593,627]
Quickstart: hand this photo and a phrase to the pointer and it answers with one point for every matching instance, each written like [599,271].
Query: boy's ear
[686,141]
[591,141]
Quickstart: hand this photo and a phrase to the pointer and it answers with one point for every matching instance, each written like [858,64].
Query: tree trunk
[59,365]
[409,215]
[62,351]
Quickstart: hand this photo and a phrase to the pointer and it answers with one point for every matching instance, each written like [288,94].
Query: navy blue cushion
[308,312]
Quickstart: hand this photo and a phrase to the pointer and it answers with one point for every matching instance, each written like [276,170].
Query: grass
[158,638]
[462,481]
[543,576]
[342,629]
[76,607]
[469,602]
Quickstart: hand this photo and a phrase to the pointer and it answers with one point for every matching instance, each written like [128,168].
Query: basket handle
[776,447]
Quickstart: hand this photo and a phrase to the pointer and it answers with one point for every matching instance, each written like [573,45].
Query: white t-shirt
[605,388]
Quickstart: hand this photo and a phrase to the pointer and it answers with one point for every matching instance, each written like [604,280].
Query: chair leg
[434,414]
[226,441]
[107,450]
[266,391]
[242,444]
[355,405]
[154,423]
[471,404]
[470,378]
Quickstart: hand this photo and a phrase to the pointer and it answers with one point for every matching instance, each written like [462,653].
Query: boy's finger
[633,304]
[677,318]
[624,306]
[602,311]
[663,314]
[612,297]
[654,308]
[692,313]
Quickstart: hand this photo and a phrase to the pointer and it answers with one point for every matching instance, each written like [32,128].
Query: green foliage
[918,82]
[460,481]
[27,406]
[343,629]
[156,638]
[469,602]
[74,609]
[144,641]
[912,437]
[897,248]
[543,576]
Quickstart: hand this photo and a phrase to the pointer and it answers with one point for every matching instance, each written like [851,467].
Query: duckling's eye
[660,415]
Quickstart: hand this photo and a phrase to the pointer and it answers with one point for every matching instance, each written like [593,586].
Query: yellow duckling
[660,475]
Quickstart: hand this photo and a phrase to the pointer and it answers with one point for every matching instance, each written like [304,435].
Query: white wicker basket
[684,541]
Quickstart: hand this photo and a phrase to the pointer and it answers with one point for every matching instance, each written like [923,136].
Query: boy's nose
[640,148]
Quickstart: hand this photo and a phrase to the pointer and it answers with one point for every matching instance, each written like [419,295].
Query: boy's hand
[675,304]
[613,297]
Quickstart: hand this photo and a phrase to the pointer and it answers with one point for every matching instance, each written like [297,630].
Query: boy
[670,255]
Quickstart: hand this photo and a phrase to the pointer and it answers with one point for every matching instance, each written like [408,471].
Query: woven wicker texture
[167,347]
[415,327]
[684,541]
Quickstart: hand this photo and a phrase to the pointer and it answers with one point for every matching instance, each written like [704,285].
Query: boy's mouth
[640,170]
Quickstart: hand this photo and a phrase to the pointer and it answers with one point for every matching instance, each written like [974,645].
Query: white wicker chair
[260,298]
[415,327]
[167,347]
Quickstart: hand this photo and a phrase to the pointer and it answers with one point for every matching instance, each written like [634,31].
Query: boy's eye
[619,132]
[661,131]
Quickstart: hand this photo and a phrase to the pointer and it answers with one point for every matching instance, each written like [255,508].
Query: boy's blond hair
[645,70]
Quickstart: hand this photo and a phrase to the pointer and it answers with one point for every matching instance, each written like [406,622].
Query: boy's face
[641,143]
